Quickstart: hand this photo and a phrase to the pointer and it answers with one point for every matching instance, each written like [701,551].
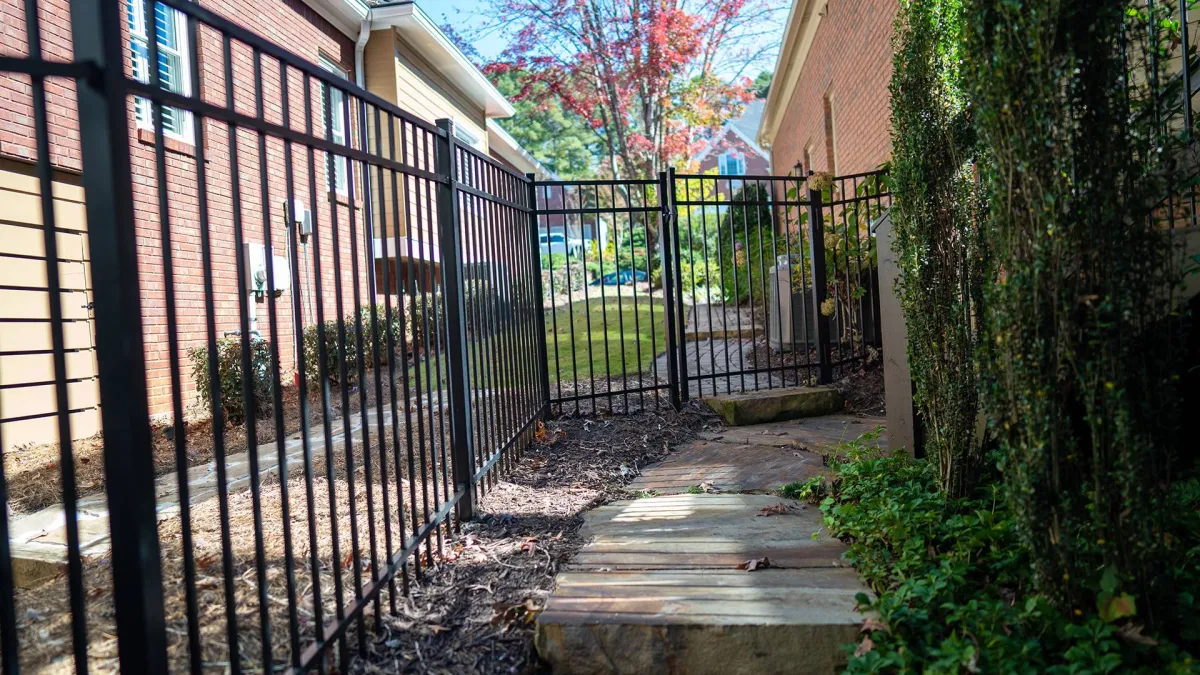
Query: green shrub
[379,331]
[940,252]
[425,321]
[747,242]
[1083,348]
[953,584]
[312,353]
[229,370]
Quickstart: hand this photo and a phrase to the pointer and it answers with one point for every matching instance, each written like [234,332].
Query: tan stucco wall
[396,72]
[25,340]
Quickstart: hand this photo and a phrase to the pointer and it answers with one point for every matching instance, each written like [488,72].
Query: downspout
[360,78]
[364,34]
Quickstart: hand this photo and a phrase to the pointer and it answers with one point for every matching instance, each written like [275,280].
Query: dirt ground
[475,612]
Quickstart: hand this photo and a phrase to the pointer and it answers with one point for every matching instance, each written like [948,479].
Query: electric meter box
[256,270]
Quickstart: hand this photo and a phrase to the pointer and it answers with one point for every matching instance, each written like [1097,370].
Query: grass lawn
[628,333]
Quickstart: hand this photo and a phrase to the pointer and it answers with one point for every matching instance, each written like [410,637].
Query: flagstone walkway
[706,578]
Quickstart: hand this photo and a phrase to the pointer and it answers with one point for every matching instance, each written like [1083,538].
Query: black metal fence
[299,224]
[347,322]
[705,284]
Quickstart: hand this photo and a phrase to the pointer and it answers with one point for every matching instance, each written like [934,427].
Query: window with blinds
[170,28]
[335,124]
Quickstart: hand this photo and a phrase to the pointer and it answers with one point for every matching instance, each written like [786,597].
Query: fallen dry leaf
[871,623]
[1133,635]
[506,614]
[755,564]
[863,647]
[775,510]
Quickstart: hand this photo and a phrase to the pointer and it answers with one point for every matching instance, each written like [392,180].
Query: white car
[552,243]
[557,242]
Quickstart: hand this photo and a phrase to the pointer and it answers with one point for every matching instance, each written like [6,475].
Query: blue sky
[466,15]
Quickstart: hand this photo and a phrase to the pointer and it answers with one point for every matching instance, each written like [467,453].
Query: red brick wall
[850,62]
[287,22]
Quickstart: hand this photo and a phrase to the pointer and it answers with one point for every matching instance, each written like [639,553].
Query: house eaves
[345,15]
[423,34]
[501,143]
[419,31]
[803,19]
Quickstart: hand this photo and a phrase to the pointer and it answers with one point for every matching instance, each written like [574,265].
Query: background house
[733,149]
[828,106]
[394,50]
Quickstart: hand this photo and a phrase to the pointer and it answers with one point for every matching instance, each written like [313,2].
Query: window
[170,28]
[732,163]
[335,126]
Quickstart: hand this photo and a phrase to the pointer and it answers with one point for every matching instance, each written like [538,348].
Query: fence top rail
[864,174]
[741,177]
[231,117]
[489,161]
[286,57]
[605,182]
[859,198]
[742,202]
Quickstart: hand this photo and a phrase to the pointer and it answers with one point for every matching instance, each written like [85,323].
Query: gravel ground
[474,612]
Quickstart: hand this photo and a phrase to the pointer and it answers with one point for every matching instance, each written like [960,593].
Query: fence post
[536,249]
[124,410]
[459,384]
[681,320]
[666,244]
[816,247]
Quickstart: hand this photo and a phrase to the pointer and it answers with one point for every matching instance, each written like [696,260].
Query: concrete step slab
[774,405]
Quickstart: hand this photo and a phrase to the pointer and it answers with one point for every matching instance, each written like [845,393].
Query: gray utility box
[791,315]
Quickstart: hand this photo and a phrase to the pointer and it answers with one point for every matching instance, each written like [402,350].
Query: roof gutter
[802,23]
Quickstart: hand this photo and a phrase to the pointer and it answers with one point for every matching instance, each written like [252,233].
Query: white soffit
[419,31]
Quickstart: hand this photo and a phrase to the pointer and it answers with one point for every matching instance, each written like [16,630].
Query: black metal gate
[697,285]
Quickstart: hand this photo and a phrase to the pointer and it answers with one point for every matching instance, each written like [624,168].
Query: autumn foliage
[643,73]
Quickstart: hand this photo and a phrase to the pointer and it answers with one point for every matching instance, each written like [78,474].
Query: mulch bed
[474,613]
[471,611]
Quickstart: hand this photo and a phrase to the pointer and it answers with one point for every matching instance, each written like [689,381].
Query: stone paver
[756,458]
[775,405]
[707,322]
[658,589]
[715,368]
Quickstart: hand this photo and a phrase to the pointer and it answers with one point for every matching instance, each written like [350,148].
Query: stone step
[775,405]
[658,590]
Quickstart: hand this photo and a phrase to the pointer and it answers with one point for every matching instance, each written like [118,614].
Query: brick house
[401,56]
[733,150]
[828,108]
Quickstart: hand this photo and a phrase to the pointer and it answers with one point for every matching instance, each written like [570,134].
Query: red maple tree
[643,73]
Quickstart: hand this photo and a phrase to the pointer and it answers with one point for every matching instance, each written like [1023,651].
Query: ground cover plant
[954,589]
